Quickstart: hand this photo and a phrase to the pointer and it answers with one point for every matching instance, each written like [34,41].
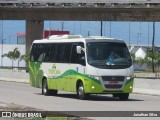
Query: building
[21,40]
[47,33]
[140,53]
[21,37]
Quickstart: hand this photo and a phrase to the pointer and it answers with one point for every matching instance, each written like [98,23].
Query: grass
[10,68]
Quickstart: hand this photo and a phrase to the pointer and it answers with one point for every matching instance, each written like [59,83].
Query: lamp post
[101,28]
[110,29]
[129,34]
[138,37]
[10,38]
[148,34]
[3,41]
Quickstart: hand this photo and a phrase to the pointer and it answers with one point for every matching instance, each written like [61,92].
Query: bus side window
[47,53]
[67,53]
[60,52]
[77,58]
[54,48]
[40,52]
[33,53]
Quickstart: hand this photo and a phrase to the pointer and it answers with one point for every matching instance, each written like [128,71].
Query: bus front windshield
[108,55]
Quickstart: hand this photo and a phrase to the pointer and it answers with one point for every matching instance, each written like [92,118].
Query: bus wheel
[124,96]
[45,90]
[80,92]
[53,92]
[115,95]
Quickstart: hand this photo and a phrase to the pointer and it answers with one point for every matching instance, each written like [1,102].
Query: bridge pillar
[34,30]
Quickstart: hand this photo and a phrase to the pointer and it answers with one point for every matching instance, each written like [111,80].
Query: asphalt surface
[141,85]
[14,88]
[24,94]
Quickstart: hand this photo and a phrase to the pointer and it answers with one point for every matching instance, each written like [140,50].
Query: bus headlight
[95,77]
[129,77]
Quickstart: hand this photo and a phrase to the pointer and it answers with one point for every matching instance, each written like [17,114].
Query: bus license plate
[113,83]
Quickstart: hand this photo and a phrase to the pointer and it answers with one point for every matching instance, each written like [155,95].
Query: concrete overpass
[36,15]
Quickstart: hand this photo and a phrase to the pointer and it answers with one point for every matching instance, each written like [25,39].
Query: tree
[25,57]
[152,56]
[13,55]
[158,58]
[138,60]
[16,54]
[133,57]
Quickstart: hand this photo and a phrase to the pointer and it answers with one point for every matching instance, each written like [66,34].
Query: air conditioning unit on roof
[55,37]
[97,37]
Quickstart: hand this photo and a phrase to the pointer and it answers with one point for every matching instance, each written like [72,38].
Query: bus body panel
[66,79]
[64,76]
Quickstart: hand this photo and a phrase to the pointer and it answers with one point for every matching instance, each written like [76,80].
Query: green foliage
[25,57]
[140,61]
[158,58]
[16,53]
[150,56]
[13,55]
[36,74]
[133,58]
[147,60]
[137,60]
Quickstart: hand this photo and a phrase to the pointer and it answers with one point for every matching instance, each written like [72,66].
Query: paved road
[24,94]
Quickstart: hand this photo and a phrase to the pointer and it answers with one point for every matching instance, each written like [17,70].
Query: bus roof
[76,38]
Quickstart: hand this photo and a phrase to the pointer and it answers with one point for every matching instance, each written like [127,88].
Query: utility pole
[153,67]
[62,26]
[50,28]
[88,33]
[148,34]
[129,34]
[110,29]
[1,39]
[101,28]
[139,38]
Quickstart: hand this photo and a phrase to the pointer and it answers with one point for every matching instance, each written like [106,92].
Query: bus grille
[113,86]
[113,78]
[113,82]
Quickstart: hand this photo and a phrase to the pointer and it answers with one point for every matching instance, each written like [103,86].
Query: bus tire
[124,96]
[53,92]
[115,95]
[45,90]
[80,92]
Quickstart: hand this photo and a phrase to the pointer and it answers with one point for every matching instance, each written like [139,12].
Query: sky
[135,32]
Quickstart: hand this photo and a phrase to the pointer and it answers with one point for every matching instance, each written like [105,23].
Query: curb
[14,80]
[146,91]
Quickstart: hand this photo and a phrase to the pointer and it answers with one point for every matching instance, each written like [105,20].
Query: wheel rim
[44,88]
[80,91]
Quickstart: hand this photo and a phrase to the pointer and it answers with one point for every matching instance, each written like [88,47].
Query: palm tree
[25,57]
[13,55]
[16,54]
[22,57]
[9,55]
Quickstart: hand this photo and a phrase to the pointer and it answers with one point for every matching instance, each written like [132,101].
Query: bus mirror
[79,49]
